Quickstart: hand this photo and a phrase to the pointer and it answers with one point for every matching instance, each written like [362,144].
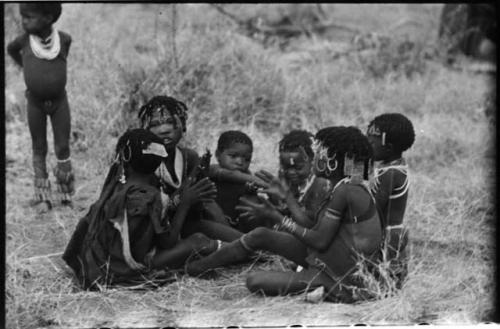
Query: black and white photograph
[215,165]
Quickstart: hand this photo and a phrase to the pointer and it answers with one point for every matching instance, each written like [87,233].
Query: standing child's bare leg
[37,122]
[61,126]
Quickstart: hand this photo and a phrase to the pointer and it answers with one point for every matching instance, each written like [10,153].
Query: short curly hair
[163,103]
[398,130]
[52,8]
[346,141]
[296,139]
[229,137]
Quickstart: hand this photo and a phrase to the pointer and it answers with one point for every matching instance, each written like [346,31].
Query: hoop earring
[330,168]
[318,168]
[129,153]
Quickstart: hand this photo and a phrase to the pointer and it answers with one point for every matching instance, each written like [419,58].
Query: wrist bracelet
[288,224]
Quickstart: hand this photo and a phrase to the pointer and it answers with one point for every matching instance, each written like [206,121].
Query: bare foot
[42,207]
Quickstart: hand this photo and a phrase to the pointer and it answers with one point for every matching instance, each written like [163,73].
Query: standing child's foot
[67,203]
[41,207]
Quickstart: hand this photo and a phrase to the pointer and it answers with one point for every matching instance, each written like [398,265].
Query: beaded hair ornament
[375,131]
[302,153]
[146,119]
[353,169]
[321,152]
[177,109]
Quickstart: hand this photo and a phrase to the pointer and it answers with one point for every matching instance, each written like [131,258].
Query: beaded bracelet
[288,224]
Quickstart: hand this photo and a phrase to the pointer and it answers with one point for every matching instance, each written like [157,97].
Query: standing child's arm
[65,42]
[14,49]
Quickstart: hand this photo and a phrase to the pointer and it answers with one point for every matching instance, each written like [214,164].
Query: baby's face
[235,157]
[295,168]
[33,22]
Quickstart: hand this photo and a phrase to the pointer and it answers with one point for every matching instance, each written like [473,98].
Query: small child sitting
[233,178]
[42,53]
[390,135]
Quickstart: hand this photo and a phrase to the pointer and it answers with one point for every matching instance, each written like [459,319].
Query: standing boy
[42,51]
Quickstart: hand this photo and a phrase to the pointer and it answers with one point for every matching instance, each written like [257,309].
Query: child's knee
[258,237]
[198,240]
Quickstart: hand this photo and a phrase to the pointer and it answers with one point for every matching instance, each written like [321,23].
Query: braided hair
[398,130]
[52,8]
[295,140]
[230,137]
[343,142]
[163,103]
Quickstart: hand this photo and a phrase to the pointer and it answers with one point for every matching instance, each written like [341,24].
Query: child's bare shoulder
[393,176]
[65,37]
[321,184]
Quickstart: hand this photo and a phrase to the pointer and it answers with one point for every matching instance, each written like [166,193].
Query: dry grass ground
[123,53]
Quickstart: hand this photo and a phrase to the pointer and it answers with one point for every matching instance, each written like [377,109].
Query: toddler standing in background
[42,53]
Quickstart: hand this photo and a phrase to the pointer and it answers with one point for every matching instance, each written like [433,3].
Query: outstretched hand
[192,192]
[277,188]
[261,209]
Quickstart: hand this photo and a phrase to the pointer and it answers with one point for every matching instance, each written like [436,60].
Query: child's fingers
[202,182]
[266,202]
[264,175]
[243,208]
[247,216]
[207,194]
[247,202]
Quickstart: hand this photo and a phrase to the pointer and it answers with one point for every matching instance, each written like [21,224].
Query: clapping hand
[277,188]
[192,192]
[261,209]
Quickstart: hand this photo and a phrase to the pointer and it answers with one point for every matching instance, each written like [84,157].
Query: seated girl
[346,233]
[297,190]
[391,134]
[166,117]
[127,234]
